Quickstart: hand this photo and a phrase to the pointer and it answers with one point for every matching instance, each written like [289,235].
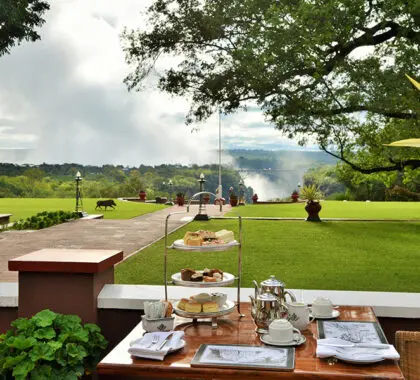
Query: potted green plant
[180,199]
[311,193]
[50,346]
[233,198]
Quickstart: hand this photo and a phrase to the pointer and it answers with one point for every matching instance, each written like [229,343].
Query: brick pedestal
[64,280]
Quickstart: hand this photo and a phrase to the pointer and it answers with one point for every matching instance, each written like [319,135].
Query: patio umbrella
[414,82]
[414,143]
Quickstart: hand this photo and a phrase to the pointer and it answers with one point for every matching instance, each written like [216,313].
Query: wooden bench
[5,219]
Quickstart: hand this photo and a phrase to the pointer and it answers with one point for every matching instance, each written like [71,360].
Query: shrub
[45,219]
[50,346]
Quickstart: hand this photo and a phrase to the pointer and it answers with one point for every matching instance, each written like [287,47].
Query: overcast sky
[62,99]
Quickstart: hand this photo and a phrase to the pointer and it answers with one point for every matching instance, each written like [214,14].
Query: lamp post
[202,215]
[241,201]
[170,184]
[79,200]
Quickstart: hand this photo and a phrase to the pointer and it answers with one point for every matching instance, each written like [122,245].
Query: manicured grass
[25,207]
[369,256]
[335,209]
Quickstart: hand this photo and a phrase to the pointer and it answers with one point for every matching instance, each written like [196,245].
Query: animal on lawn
[106,203]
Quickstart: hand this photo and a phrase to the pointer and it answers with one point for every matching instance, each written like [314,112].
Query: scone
[193,239]
[193,307]
[210,307]
[182,303]
[209,279]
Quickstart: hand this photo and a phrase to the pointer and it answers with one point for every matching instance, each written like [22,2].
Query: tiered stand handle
[239,245]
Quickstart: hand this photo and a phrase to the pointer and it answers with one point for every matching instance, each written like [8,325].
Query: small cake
[193,307]
[210,307]
[218,277]
[182,302]
[209,279]
[207,235]
[192,239]
[186,274]
[196,277]
[225,235]
[206,272]
[216,271]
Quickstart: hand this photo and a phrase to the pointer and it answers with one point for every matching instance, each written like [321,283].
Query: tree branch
[414,164]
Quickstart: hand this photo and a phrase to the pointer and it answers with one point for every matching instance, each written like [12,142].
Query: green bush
[50,346]
[45,219]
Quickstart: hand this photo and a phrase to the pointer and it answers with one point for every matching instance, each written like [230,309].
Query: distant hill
[276,173]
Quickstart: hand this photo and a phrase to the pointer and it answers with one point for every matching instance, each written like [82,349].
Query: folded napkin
[354,351]
[144,348]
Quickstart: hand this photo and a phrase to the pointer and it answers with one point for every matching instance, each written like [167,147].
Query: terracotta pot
[313,208]
[180,201]
[206,199]
[142,195]
[233,201]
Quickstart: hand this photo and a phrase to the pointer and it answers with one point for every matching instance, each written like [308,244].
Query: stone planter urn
[233,201]
[142,195]
[313,208]
[180,200]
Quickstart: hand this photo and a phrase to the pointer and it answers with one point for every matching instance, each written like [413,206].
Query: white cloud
[63,98]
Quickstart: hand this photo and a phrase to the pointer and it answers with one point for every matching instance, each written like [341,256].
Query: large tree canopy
[323,70]
[18,20]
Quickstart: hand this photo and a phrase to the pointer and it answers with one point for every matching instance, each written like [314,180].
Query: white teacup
[298,315]
[322,307]
[281,331]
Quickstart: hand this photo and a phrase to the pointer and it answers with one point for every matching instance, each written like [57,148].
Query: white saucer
[297,341]
[335,314]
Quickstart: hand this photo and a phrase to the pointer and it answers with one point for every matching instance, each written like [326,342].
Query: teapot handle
[291,295]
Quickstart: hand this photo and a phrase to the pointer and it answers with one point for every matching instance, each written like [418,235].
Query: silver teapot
[266,308]
[274,286]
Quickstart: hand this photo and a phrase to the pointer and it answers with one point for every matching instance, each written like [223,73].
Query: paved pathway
[129,235]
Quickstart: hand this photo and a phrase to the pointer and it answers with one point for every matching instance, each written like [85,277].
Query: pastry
[206,272]
[218,277]
[207,235]
[192,239]
[225,235]
[182,303]
[168,309]
[215,271]
[210,307]
[186,274]
[209,279]
[193,307]
[197,276]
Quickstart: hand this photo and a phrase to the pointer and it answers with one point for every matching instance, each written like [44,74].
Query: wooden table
[118,364]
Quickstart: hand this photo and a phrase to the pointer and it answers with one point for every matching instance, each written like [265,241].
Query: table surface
[235,330]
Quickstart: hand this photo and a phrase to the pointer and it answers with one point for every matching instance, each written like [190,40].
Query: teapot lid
[272,281]
[267,297]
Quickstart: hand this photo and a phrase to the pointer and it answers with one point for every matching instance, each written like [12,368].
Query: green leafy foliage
[310,192]
[326,71]
[43,220]
[50,346]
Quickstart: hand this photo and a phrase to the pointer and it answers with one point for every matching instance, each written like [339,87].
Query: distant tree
[320,70]
[19,20]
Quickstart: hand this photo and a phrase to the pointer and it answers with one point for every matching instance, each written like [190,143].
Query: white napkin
[140,347]
[356,351]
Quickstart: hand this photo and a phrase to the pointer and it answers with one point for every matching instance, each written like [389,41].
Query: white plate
[227,280]
[179,244]
[181,344]
[297,340]
[227,308]
[367,358]
[335,314]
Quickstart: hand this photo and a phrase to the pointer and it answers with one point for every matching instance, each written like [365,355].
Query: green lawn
[370,256]
[25,207]
[336,209]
